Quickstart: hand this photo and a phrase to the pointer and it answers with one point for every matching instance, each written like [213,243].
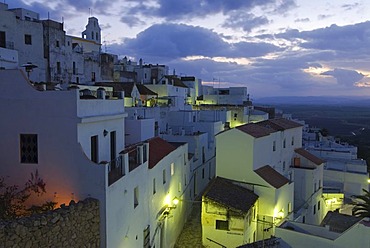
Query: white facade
[225,96]
[295,234]
[61,127]
[23,32]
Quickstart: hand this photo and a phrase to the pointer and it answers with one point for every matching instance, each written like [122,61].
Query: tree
[361,204]
[13,198]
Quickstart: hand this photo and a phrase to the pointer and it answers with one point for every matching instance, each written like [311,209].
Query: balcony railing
[116,170]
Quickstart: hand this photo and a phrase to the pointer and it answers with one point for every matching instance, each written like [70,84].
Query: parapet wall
[76,225]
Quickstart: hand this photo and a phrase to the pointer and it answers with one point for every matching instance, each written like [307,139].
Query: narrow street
[191,235]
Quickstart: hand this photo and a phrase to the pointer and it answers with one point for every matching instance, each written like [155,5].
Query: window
[93,76]
[29,148]
[274,146]
[203,173]
[27,39]
[74,68]
[172,169]
[136,197]
[164,176]
[57,43]
[284,166]
[318,205]
[292,141]
[59,70]
[2,39]
[94,149]
[284,143]
[145,158]
[304,219]
[222,225]
[314,209]
[154,189]
[92,35]
[97,36]
[112,145]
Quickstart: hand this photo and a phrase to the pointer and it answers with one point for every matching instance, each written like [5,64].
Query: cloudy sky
[274,47]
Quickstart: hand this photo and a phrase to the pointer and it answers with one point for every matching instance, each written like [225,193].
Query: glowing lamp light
[368,180]
[281,214]
[175,201]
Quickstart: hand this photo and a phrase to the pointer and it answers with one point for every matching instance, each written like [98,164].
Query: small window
[164,176]
[203,173]
[222,225]
[97,36]
[27,39]
[145,153]
[94,149]
[172,169]
[74,68]
[314,209]
[93,76]
[154,188]
[57,43]
[304,219]
[292,141]
[284,143]
[59,69]
[68,43]
[29,148]
[284,166]
[318,205]
[274,146]
[2,39]
[136,197]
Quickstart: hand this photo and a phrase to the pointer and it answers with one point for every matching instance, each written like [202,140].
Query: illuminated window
[172,169]
[136,197]
[222,225]
[164,176]
[29,148]
[27,39]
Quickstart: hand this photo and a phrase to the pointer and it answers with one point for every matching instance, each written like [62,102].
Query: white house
[229,214]
[22,31]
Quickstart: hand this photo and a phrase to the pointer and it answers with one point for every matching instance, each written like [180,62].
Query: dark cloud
[344,77]
[246,21]
[173,41]
[132,21]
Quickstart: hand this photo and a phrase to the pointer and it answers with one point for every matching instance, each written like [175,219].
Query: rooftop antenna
[48,15]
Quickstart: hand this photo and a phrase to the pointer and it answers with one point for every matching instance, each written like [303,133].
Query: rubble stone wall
[76,225]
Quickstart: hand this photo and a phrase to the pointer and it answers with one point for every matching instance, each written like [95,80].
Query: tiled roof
[338,222]
[271,176]
[158,149]
[309,156]
[279,124]
[227,193]
[264,128]
[176,81]
[255,130]
[143,90]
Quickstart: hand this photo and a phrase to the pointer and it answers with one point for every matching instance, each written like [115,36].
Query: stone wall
[76,225]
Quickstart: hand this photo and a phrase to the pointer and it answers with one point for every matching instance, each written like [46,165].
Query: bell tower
[92,31]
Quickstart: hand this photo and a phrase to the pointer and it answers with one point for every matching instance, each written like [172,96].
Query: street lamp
[29,67]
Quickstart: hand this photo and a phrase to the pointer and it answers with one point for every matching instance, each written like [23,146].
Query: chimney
[100,93]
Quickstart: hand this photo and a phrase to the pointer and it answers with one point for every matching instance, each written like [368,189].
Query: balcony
[116,170]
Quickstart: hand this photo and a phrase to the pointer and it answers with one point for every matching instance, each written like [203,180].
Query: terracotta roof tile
[255,130]
[143,90]
[264,128]
[309,156]
[158,149]
[338,222]
[227,193]
[271,176]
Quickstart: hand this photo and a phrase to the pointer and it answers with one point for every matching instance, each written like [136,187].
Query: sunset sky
[274,47]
